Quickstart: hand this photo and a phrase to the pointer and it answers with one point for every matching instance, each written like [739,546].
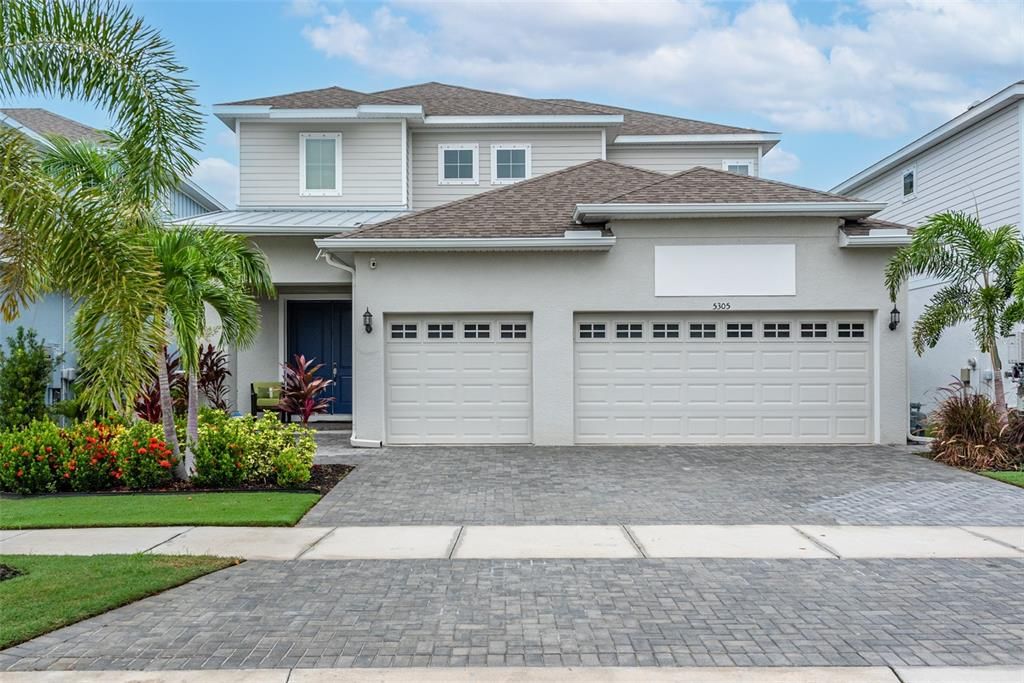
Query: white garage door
[458,379]
[686,378]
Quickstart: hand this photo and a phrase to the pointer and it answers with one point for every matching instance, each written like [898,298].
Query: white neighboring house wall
[978,170]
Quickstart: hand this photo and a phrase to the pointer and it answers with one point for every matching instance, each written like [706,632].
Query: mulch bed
[7,572]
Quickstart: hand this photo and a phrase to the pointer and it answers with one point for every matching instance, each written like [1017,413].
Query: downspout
[330,260]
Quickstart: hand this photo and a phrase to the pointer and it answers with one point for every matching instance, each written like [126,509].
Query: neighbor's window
[909,181]
[738,166]
[319,164]
[457,164]
[509,163]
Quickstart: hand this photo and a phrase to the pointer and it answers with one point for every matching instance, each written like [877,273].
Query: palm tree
[61,235]
[978,268]
[204,267]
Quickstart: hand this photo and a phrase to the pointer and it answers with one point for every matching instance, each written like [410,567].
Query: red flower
[165,464]
[142,451]
[117,475]
[49,449]
[19,473]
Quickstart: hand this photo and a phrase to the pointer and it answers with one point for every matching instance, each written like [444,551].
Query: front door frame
[282,339]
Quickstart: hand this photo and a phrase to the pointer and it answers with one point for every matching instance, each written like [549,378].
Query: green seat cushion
[266,402]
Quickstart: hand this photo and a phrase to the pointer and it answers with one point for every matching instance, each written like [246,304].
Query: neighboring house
[51,316]
[973,163]
[473,267]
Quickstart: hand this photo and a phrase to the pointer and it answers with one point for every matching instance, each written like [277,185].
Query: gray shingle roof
[323,98]
[702,185]
[864,226]
[538,207]
[45,122]
[646,123]
[441,99]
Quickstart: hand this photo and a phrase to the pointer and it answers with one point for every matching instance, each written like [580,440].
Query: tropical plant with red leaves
[213,375]
[147,404]
[302,388]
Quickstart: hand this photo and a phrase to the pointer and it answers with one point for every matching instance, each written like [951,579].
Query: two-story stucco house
[973,163]
[474,267]
[51,316]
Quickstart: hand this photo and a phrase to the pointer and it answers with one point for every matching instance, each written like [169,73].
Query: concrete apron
[995,674]
[531,542]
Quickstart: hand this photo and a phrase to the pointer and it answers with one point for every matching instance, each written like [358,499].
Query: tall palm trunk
[192,423]
[167,412]
[997,382]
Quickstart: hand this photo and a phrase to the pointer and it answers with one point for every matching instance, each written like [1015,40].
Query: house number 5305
[721,306]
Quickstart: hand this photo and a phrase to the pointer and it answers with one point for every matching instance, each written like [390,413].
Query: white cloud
[778,163]
[219,177]
[905,58]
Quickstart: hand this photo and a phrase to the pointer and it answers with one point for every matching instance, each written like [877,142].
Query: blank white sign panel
[725,270]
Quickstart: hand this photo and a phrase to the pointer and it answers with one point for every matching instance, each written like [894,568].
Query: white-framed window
[702,330]
[512,331]
[476,331]
[592,331]
[776,330]
[813,330]
[440,330]
[403,330]
[458,164]
[739,330]
[850,330]
[629,330]
[319,164]
[665,330]
[510,163]
[738,166]
[909,181]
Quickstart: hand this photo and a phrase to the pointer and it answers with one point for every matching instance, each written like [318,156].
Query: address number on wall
[721,306]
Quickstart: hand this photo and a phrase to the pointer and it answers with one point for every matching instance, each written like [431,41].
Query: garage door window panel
[703,330]
[776,330]
[629,330]
[403,331]
[665,330]
[814,330]
[592,331]
[476,331]
[513,331]
[739,330]
[850,330]
[441,331]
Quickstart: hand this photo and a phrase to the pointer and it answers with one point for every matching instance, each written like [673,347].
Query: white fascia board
[229,114]
[391,110]
[715,139]
[601,212]
[862,241]
[530,120]
[981,110]
[469,244]
[262,230]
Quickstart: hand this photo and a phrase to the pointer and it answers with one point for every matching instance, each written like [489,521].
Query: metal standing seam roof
[268,219]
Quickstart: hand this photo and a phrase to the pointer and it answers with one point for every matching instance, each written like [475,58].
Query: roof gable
[702,185]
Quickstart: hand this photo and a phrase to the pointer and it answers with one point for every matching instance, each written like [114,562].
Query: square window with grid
[458,164]
[776,330]
[813,330]
[510,164]
[592,330]
[665,330]
[850,330]
[403,331]
[476,330]
[702,330]
[739,330]
[441,331]
[513,330]
[629,330]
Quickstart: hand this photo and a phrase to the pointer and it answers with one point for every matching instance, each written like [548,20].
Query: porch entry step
[530,542]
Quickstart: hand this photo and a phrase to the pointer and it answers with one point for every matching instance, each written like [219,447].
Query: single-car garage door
[693,378]
[458,379]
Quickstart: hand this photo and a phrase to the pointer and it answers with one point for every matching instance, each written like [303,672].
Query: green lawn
[1015,478]
[57,590]
[263,508]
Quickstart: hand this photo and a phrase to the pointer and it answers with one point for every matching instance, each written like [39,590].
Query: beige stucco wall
[552,286]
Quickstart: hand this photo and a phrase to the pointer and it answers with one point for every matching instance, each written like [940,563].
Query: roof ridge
[656,113]
[735,177]
[480,90]
[656,182]
[493,191]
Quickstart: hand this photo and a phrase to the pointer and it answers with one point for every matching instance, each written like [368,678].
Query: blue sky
[845,82]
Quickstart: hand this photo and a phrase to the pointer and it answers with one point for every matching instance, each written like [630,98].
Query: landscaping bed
[51,591]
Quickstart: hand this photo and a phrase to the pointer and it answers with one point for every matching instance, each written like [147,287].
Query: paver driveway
[651,485]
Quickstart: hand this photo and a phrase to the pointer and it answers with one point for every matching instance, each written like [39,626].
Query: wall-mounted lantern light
[894,318]
[368,321]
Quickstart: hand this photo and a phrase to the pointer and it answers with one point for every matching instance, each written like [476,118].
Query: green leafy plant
[292,467]
[25,371]
[145,459]
[968,431]
[91,462]
[30,456]
[219,456]
[302,389]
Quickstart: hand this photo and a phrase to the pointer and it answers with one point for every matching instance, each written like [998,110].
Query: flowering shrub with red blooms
[29,456]
[92,462]
[145,460]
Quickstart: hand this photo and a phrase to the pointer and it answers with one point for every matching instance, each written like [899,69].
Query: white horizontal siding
[551,150]
[977,170]
[676,158]
[371,164]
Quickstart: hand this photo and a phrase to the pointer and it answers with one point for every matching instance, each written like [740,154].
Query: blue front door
[323,330]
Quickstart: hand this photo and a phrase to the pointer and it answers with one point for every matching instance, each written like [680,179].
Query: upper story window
[909,182]
[457,164]
[509,163]
[738,166]
[319,164]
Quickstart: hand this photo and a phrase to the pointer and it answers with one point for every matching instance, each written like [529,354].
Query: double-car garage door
[638,378]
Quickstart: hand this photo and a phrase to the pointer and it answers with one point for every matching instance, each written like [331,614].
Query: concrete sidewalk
[530,542]
[922,674]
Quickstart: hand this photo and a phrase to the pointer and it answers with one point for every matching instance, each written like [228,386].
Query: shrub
[24,375]
[145,459]
[29,458]
[91,462]
[219,456]
[292,467]
[968,432]
[269,451]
